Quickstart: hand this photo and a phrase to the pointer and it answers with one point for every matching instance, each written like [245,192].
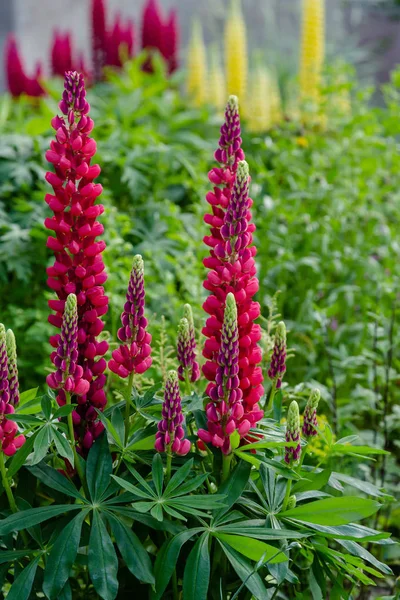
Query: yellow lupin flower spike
[216,95]
[275,99]
[312,48]
[197,67]
[236,58]
[259,109]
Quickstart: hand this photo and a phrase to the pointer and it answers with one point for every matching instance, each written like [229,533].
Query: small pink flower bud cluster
[186,348]
[310,422]
[78,267]
[160,35]
[170,437]
[18,82]
[133,355]
[278,360]
[10,440]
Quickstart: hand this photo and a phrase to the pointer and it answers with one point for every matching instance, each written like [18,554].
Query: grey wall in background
[354,29]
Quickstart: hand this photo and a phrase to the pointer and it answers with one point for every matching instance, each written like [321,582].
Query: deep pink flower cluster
[232,267]
[10,441]
[63,58]
[225,413]
[134,354]
[186,348]
[108,43]
[160,35]
[78,267]
[17,80]
[170,437]
[277,367]
[310,423]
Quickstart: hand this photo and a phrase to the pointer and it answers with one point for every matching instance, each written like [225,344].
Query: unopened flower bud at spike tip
[170,436]
[242,171]
[233,103]
[189,368]
[12,367]
[310,422]
[292,454]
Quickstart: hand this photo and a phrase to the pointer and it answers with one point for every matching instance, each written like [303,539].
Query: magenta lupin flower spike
[186,348]
[292,455]
[12,367]
[170,437]
[225,412]
[4,382]
[133,355]
[10,441]
[278,360]
[310,422]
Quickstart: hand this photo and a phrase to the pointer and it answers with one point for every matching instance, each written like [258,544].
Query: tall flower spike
[99,37]
[226,413]
[170,40]
[16,78]
[78,267]
[216,81]
[4,375]
[236,58]
[259,102]
[10,441]
[292,454]
[186,348]
[133,355]
[278,360]
[152,31]
[312,48]
[12,367]
[170,437]
[310,422]
[197,67]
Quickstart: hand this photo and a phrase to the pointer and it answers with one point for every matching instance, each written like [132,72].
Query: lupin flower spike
[12,367]
[10,441]
[292,454]
[312,48]
[278,360]
[170,437]
[216,82]
[133,355]
[186,348]
[310,422]
[4,380]
[197,67]
[236,58]
[99,38]
[226,413]
[69,375]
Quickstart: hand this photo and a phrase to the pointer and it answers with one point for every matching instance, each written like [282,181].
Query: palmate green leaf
[46,406]
[197,570]
[205,502]
[147,520]
[365,555]
[34,516]
[333,511]
[63,446]
[22,586]
[133,489]
[54,480]
[42,444]
[256,528]
[11,555]
[111,430]
[253,548]
[141,480]
[353,532]
[189,486]
[257,460]
[233,487]
[62,557]
[136,558]
[313,481]
[143,444]
[178,477]
[98,468]
[364,486]
[64,411]
[26,396]
[157,472]
[102,560]
[246,572]
[357,451]
[166,560]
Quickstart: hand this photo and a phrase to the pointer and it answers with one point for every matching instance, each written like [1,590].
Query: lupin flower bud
[133,355]
[236,59]
[197,67]
[278,360]
[170,437]
[12,367]
[292,455]
[310,422]
[78,267]
[312,48]
[291,503]
[10,441]
[186,350]
[69,375]
[226,413]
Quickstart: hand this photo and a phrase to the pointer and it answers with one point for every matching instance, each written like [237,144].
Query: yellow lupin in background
[259,113]
[312,48]
[236,57]
[216,92]
[196,83]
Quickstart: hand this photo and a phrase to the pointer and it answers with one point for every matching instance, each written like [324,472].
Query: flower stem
[169,465]
[226,466]
[9,494]
[271,396]
[187,382]
[287,495]
[77,463]
[128,406]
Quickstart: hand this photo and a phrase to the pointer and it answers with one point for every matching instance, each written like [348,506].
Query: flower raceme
[133,355]
[170,437]
[186,348]
[78,267]
[310,422]
[231,265]
[10,440]
[278,360]
[225,413]
[12,367]
[292,454]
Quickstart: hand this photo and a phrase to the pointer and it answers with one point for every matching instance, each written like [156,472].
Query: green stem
[77,463]
[128,406]
[271,396]
[287,495]
[302,457]
[226,466]
[9,494]
[187,382]
[169,465]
